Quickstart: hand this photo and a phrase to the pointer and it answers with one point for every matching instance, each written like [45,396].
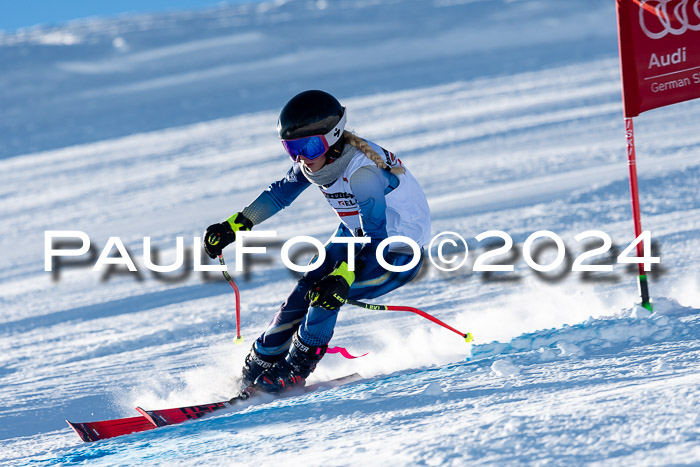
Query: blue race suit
[369,185]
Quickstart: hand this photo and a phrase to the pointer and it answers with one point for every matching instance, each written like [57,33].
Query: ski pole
[368,306]
[227,276]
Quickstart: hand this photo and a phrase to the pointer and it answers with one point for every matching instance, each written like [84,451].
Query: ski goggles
[313,147]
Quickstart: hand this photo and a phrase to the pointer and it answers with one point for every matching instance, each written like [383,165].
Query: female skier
[374,196]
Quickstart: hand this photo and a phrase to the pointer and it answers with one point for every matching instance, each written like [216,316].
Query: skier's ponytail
[371,154]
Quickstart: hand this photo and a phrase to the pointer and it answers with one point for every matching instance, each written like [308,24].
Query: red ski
[166,417]
[150,419]
[93,431]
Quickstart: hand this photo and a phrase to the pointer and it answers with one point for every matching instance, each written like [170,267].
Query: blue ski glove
[219,236]
[332,291]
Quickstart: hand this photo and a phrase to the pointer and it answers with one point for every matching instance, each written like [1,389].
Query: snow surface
[508,113]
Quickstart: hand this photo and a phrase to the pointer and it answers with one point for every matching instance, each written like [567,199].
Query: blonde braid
[371,154]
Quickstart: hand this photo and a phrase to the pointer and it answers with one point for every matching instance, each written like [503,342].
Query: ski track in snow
[529,137]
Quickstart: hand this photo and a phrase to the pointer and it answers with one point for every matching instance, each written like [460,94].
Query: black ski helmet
[311,113]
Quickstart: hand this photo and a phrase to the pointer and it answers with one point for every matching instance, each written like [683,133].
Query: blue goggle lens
[310,147]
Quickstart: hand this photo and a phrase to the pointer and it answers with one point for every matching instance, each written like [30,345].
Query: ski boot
[255,363]
[292,371]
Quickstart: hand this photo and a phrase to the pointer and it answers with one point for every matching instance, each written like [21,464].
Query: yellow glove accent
[343,272]
[239,222]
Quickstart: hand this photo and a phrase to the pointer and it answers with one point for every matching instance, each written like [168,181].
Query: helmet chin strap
[335,151]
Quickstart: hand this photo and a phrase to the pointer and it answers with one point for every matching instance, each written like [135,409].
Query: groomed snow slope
[509,115]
